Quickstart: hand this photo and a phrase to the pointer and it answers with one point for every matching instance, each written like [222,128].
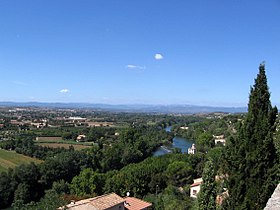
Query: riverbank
[178,142]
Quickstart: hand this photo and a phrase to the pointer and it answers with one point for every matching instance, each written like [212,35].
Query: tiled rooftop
[99,203]
[136,204]
[196,184]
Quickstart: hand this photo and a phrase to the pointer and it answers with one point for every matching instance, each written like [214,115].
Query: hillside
[11,159]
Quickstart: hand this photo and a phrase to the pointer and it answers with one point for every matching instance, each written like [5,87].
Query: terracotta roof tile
[196,184]
[102,202]
[136,204]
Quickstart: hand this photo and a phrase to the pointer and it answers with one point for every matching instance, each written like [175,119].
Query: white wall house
[220,139]
[195,187]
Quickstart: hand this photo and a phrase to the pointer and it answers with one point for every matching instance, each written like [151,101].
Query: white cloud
[130,66]
[20,83]
[158,56]
[64,91]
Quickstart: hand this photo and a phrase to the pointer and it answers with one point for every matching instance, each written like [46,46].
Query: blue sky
[138,52]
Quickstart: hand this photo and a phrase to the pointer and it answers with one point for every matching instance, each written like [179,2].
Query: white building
[195,187]
[81,137]
[184,128]
[220,139]
[192,150]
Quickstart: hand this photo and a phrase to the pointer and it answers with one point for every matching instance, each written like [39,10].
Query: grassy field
[11,159]
[66,146]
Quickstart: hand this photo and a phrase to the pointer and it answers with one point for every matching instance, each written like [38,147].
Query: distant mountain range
[168,109]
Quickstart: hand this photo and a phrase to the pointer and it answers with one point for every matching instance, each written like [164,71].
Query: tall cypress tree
[251,159]
[208,192]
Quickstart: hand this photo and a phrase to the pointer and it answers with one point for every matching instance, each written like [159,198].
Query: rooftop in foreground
[132,203]
[109,202]
[102,202]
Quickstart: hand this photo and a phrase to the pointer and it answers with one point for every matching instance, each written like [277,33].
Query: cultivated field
[66,146]
[11,159]
[48,138]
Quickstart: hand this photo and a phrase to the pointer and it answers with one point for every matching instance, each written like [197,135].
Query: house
[220,139]
[80,138]
[222,196]
[195,187]
[219,136]
[15,122]
[108,202]
[184,128]
[104,202]
[100,124]
[38,124]
[192,150]
[79,119]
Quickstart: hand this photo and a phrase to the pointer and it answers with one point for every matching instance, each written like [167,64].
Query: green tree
[61,187]
[22,195]
[25,178]
[87,183]
[6,189]
[207,194]
[51,200]
[179,173]
[65,166]
[205,141]
[215,154]
[251,160]
[171,198]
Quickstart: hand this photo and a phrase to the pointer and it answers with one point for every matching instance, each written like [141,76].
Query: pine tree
[251,159]
[207,194]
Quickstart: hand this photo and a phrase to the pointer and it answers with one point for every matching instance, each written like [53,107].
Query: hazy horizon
[121,104]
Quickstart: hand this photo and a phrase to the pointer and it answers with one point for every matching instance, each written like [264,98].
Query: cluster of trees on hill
[26,146]
[161,180]
[134,145]
[28,182]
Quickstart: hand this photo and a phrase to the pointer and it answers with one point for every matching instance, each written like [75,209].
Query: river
[178,142]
